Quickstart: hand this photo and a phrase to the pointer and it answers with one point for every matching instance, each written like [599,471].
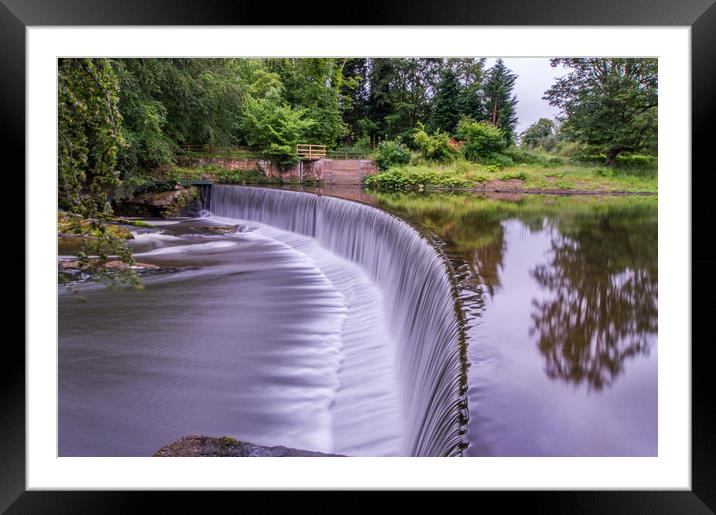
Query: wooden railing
[305,151]
[347,154]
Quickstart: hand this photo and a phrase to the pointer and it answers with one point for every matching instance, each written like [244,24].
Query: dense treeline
[121,118]
[272,104]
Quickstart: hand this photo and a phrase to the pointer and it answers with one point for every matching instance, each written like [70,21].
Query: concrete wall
[347,171]
[330,171]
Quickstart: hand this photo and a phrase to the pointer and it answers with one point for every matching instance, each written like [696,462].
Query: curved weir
[417,293]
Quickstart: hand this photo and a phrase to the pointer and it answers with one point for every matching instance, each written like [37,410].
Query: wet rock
[222,229]
[69,265]
[225,446]
[158,199]
[72,265]
[179,201]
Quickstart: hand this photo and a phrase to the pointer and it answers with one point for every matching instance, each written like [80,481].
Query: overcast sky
[534,77]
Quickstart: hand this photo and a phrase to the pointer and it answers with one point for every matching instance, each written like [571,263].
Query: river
[511,326]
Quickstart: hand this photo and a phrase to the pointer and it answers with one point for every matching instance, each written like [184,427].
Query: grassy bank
[563,177]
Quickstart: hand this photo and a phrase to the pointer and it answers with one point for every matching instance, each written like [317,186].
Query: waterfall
[419,297]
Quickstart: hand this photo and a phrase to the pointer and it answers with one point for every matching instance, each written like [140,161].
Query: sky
[534,77]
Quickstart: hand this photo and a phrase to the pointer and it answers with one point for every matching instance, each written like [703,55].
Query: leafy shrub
[498,160]
[403,178]
[362,144]
[524,155]
[596,158]
[636,161]
[481,139]
[391,153]
[284,155]
[604,172]
[390,180]
[514,175]
[556,161]
[436,147]
[572,149]
[243,177]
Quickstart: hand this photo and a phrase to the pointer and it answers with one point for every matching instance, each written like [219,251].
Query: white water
[320,324]
[418,303]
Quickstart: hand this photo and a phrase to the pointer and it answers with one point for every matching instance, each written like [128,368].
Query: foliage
[186,198]
[401,178]
[243,177]
[218,173]
[89,137]
[609,103]
[446,104]
[499,101]
[498,160]
[391,153]
[274,127]
[481,140]
[636,161]
[541,134]
[436,147]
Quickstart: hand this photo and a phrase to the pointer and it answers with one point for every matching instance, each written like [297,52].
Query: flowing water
[320,324]
[290,318]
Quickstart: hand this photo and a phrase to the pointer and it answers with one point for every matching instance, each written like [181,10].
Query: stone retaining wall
[329,171]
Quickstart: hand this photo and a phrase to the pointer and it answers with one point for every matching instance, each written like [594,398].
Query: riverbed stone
[225,446]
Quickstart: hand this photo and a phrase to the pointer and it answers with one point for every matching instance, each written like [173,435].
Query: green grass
[570,176]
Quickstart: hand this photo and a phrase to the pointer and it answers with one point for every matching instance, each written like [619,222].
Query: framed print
[368,246]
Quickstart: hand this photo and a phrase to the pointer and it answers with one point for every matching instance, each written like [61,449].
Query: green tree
[539,134]
[314,85]
[354,96]
[144,118]
[274,127]
[401,92]
[609,103]
[470,73]
[89,137]
[499,102]
[446,104]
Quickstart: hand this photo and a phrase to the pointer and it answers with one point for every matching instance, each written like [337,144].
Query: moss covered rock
[226,446]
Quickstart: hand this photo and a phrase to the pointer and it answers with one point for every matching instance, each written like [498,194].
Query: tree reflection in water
[600,283]
[602,305]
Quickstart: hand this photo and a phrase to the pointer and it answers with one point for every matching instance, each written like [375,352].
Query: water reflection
[596,301]
[602,306]
[560,296]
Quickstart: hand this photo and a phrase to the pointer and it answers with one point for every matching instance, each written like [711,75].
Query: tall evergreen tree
[354,96]
[470,74]
[446,104]
[499,102]
[380,102]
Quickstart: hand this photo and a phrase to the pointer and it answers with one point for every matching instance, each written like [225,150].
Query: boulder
[225,446]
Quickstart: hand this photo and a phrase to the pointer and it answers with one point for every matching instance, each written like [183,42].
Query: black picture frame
[700,15]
